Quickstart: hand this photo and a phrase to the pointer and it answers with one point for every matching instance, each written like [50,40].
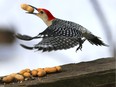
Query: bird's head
[44,14]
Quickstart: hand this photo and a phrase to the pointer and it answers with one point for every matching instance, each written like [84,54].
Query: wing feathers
[56,43]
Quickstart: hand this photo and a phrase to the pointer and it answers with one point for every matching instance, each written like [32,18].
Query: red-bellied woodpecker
[60,34]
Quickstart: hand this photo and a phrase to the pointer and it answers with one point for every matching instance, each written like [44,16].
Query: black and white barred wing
[56,43]
[63,28]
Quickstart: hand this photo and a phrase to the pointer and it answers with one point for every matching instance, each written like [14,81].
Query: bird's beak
[33,8]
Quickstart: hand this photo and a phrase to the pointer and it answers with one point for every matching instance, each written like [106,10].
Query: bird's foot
[80,44]
[80,47]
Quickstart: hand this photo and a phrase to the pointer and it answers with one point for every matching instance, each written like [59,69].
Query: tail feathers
[96,41]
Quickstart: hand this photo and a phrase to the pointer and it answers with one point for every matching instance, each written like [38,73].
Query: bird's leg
[26,37]
[80,44]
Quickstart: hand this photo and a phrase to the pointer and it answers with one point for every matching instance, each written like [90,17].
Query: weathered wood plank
[98,73]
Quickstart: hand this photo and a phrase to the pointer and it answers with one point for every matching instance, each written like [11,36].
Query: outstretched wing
[56,43]
[62,28]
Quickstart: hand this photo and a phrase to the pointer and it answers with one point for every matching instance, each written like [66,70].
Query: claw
[80,47]
[80,44]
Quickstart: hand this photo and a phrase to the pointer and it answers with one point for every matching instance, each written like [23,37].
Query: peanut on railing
[26,74]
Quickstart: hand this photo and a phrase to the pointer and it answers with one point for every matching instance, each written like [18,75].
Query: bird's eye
[41,12]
